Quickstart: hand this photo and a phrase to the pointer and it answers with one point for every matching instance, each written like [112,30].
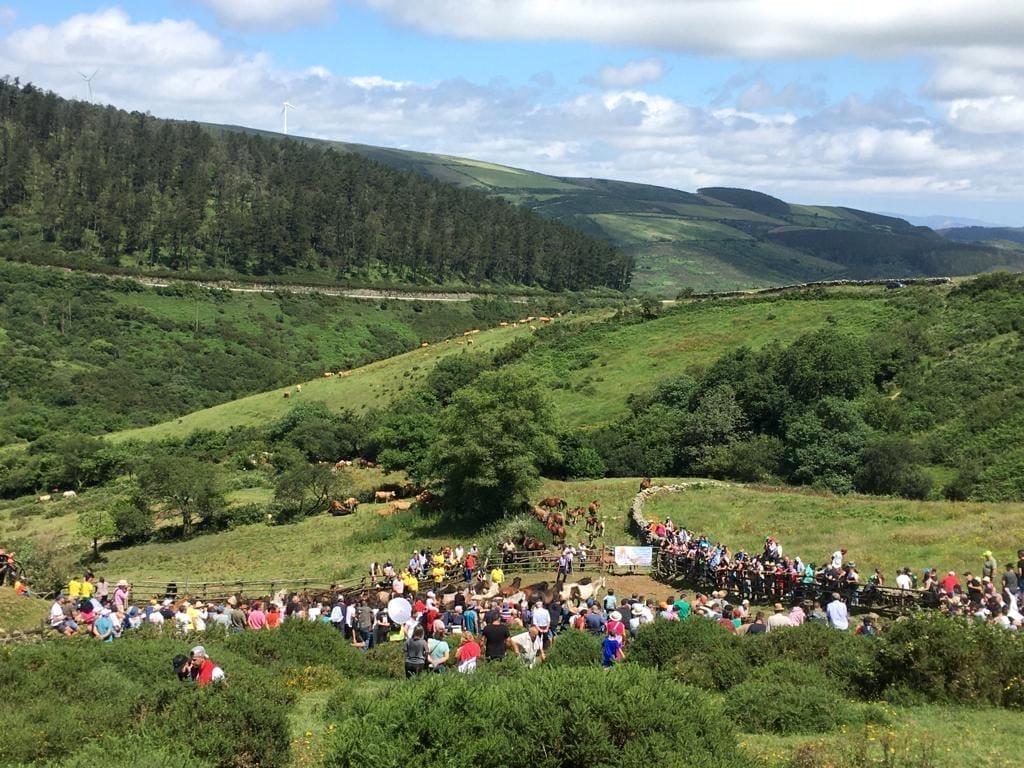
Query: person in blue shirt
[610,649]
[103,627]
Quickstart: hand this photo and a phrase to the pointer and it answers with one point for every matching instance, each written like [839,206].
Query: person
[467,654]
[257,619]
[236,616]
[615,626]
[496,636]
[1010,582]
[121,595]
[59,621]
[838,615]
[903,580]
[416,652]
[758,627]
[542,621]
[103,627]
[529,645]
[682,606]
[497,575]
[74,588]
[438,651]
[610,601]
[364,624]
[203,668]
[990,565]
[778,619]
[471,617]
[470,566]
[611,650]
[867,626]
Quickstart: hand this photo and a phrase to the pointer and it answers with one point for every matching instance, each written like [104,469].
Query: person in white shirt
[778,619]
[837,559]
[529,646]
[903,580]
[542,620]
[838,616]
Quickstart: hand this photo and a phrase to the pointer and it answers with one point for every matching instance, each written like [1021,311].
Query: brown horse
[593,507]
[645,484]
[573,515]
[553,502]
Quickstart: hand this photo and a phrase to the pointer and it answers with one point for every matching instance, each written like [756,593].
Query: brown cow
[383,496]
[401,506]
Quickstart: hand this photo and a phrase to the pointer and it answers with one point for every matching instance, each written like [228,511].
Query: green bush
[719,669]
[787,697]
[575,649]
[950,660]
[846,658]
[546,718]
[132,751]
[660,644]
[60,696]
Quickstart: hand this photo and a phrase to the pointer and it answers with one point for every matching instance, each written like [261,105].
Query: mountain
[95,186]
[714,238]
[940,222]
[1004,236]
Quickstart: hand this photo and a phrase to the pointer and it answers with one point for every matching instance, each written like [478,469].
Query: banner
[634,556]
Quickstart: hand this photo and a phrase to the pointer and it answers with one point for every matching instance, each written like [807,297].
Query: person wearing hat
[990,565]
[616,627]
[203,667]
[121,595]
[611,649]
[778,619]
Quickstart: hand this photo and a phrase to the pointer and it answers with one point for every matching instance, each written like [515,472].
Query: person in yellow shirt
[497,575]
[88,588]
[438,573]
[413,584]
[74,588]
[438,558]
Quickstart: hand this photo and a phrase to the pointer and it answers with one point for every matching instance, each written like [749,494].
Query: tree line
[132,190]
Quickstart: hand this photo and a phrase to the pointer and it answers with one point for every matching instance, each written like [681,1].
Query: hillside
[87,185]
[1003,236]
[91,354]
[714,239]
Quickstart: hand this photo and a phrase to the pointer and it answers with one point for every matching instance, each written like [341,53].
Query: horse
[553,502]
[573,515]
[645,484]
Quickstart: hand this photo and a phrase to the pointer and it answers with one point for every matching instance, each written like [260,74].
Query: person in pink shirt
[257,618]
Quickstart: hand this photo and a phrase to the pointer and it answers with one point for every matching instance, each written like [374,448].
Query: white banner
[634,556]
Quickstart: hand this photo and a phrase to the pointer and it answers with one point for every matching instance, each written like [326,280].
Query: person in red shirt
[950,583]
[273,616]
[202,667]
[470,566]
[468,653]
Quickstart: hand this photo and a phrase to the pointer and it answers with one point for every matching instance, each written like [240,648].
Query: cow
[401,506]
[383,497]
[45,498]
[298,387]
[287,395]
[69,495]
[424,344]
[328,374]
[503,324]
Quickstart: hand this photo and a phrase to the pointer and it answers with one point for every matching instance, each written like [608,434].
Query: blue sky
[914,107]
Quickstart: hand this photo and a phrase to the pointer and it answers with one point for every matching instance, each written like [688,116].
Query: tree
[823,445]
[891,465]
[308,482]
[404,433]
[493,437]
[133,521]
[185,487]
[95,524]
[826,363]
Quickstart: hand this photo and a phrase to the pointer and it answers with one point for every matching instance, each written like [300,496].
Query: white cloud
[269,14]
[773,138]
[745,28]
[632,74]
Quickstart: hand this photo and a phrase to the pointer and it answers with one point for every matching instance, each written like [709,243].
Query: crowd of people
[992,594]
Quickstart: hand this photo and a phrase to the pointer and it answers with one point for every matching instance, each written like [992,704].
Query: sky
[911,106]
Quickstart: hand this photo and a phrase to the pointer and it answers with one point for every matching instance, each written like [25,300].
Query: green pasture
[877,532]
[369,386]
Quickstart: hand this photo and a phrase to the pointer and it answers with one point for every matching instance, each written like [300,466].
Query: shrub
[950,660]
[720,669]
[660,644]
[575,649]
[787,697]
[625,717]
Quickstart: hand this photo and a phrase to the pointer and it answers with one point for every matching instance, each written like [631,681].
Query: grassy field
[369,386]
[926,736]
[20,612]
[589,387]
[590,382]
[878,532]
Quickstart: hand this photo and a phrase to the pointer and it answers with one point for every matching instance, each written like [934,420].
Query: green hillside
[717,238]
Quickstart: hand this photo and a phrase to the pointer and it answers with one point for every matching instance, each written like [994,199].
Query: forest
[91,185]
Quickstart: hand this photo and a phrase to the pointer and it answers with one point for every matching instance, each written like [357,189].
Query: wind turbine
[284,115]
[88,80]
